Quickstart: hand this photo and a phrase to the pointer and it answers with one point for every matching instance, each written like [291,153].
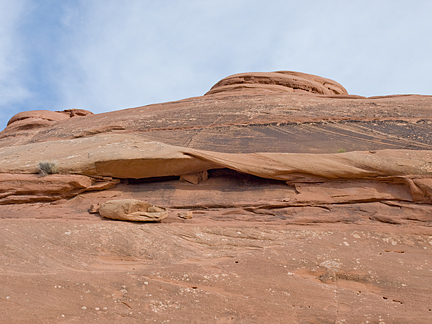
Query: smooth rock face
[282,200]
[132,210]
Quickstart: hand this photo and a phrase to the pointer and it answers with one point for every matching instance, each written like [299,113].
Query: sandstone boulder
[132,210]
[195,178]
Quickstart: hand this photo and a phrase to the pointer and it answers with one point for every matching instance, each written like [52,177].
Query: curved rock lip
[29,123]
[38,114]
[280,81]
[29,188]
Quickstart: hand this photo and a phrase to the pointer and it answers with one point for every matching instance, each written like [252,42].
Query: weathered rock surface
[132,210]
[269,223]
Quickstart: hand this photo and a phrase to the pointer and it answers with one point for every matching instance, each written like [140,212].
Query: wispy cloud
[370,47]
[124,54]
[129,54]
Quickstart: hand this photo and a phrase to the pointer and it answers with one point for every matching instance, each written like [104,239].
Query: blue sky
[104,55]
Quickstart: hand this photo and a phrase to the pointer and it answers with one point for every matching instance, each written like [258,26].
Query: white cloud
[122,54]
[370,47]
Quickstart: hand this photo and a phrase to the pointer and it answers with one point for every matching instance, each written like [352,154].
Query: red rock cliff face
[287,199]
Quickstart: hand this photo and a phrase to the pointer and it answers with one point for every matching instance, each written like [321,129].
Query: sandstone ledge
[26,188]
[379,175]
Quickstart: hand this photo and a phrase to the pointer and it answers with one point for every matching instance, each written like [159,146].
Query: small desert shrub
[341,150]
[45,168]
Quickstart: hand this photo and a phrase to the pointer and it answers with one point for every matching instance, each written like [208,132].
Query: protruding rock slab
[24,188]
[132,210]
[109,155]
[29,188]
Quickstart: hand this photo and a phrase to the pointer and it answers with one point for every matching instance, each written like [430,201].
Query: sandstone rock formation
[284,199]
[400,174]
[281,81]
[132,210]
[41,118]
[24,188]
